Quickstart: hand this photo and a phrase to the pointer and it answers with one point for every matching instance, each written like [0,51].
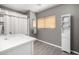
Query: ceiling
[25,7]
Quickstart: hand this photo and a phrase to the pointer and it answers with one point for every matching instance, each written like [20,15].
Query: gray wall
[54,36]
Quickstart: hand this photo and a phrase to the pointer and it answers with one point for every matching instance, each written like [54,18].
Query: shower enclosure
[14,23]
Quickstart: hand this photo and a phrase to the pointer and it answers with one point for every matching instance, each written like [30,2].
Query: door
[66,32]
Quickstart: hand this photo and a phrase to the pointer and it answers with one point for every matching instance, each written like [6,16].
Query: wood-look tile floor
[41,48]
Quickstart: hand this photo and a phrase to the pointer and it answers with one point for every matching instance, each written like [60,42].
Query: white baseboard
[49,43]
[57,46]
[75,52]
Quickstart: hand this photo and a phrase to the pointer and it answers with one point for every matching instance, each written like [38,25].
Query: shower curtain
[14,23]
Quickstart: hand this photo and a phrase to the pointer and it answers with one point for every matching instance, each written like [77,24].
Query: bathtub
[16,44]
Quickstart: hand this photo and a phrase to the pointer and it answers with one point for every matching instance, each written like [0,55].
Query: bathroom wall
[54,35]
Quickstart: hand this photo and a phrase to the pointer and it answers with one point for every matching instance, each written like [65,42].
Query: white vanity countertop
[13,41]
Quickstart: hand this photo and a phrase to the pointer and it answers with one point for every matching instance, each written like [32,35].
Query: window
[41,23]
[47,22]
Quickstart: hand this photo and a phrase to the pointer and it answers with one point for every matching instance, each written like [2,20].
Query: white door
[65,32]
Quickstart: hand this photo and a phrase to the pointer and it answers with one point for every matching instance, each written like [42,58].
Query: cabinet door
[16,25]
[19,25]
[7,25]
[12,25]
[25,26]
